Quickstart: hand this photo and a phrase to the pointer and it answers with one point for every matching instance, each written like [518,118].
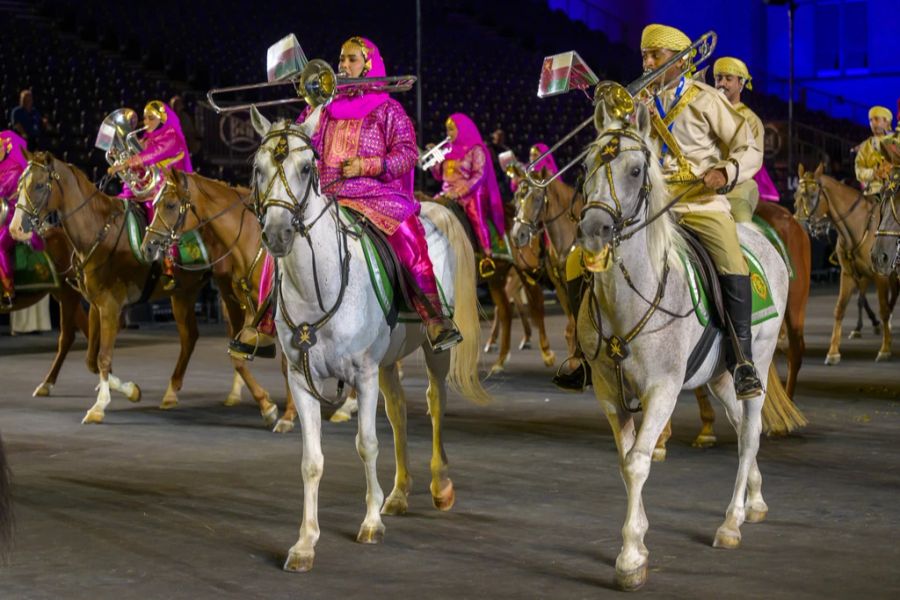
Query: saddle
[709,280]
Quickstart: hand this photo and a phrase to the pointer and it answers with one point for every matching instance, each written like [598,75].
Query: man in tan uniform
[871,166]
[731,76]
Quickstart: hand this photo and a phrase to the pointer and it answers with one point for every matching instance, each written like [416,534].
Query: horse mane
[664,241]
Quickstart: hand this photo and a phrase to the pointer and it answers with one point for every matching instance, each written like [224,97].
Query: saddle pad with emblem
[33,270]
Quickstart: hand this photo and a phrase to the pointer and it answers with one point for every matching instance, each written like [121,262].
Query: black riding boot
[738,300]
[579,378]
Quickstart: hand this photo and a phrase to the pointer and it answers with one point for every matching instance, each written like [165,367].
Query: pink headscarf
[14,148]
[467,137]
[358,106]
[548,160]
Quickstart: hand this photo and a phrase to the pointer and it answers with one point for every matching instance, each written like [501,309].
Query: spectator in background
[193,139]
[28,122]
[497,146]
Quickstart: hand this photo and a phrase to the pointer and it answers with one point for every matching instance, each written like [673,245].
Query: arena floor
[203,502]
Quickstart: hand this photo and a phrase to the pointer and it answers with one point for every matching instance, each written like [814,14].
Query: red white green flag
[284,59]
[561,73]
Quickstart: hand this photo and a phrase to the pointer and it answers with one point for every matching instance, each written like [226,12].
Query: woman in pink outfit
[164,147]
[367,146]
[468,178]
[12,165]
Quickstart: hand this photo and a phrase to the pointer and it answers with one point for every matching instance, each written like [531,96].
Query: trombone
[619,101]
[316,84]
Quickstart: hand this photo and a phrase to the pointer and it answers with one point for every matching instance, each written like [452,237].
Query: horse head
[39,187]
[285,179]
[810,209]
[171,206]
[886,249]
[530,202]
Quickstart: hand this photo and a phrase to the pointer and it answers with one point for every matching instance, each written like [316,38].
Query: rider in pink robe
[468,178]
[367,146]
[547,162]
[12,164]
[165,147]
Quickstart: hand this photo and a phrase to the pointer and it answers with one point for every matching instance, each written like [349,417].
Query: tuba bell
[118,139]
[618,101]
[435,156]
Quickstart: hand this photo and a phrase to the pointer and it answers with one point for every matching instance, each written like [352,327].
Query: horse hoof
[548,357]
[269,415]
[489,347]
[525,344]
[42,390]
[855,334]
[704,441]
[727,539]
[133,393]
[397,504]
[756,515]
[340,416]
[168,402]
[92,417]
[659,454]
[370,535]
[283,426]
[232,400]
[883,356]
[496,369]
[299,563]
[832,359]
[445,499]
[630,581]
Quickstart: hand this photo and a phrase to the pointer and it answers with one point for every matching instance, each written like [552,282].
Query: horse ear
[642,119]
[181,180]
[819,170]
[545,173]
[261,124]
[311,123]
[801,170]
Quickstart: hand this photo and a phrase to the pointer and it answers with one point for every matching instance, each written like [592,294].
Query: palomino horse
[108,275]
[637,329]
[822,202]
[331,325]
[886,249]
[221,214]
[71,313]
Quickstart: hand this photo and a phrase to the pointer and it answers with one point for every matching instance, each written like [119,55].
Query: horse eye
[306,169]
[635,171]
[170,205]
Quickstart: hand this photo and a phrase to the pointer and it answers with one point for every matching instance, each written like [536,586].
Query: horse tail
[779,415]
[465,356]
[6,514]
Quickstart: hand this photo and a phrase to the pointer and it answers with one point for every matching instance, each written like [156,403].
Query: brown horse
[822,202]
[107,273]
[223,217]
[71,313]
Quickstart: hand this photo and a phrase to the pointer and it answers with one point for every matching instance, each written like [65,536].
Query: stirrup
[575,380]
[447,337]
[486,267]
[746,381]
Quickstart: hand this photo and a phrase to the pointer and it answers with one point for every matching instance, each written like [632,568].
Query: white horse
[632,251]
[325,282]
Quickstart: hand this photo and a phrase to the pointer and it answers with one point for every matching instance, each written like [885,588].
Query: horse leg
[286,422]
[883,286]
[745,417]
[350,406]
[846,290]
[707,437]
[491,343]
[237,386]
[514,286]
[631,564]
[186,321]
[794,321]
[108,327]
[371,531]
[536,302]
[68,305]
[397,502]
[659,451]
[501,309]
[443,496]
[301,555]
[861,303]
[93,339]
[876,325]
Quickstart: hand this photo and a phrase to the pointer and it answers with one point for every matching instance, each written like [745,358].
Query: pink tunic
[467,179]
[11,168]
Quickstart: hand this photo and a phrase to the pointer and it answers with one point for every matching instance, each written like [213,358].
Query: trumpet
[435,156]
[613,99]
[315,84]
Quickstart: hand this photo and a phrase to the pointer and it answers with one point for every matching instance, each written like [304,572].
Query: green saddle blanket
[381,281]
[33,270]
[776,241]
[763,304]
[191,249]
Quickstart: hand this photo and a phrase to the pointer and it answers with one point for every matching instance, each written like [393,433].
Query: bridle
[891,200]
[31,208]
[811,190]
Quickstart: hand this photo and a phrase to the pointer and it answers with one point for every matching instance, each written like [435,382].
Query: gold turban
[728,65]
[157,109]
[658,36]
[881,111]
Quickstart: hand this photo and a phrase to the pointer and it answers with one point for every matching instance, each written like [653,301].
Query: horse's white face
[615,189]
[285,179]
[33,202]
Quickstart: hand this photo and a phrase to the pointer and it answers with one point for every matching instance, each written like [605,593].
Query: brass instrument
[314,81]
[435,156]
[617,101]
[118,139]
